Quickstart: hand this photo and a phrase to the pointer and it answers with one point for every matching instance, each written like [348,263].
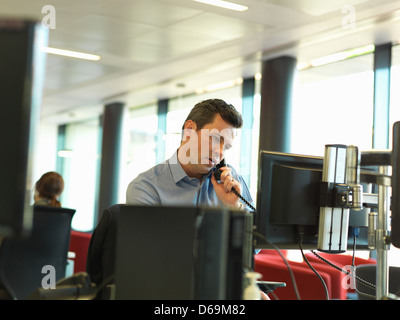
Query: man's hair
[205,111]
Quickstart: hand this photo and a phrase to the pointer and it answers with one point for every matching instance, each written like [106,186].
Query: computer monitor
[288,200]
[395,200]
[154,253]
[21,78]
[184,253]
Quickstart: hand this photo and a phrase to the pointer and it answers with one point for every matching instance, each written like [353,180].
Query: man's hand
[224,188]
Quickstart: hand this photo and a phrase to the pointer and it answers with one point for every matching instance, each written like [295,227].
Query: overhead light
[65,153]
[224,4]
[72,54]
[339,56]
[220,86]
[303,65]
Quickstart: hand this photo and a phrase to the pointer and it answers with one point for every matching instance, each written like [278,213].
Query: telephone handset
[217,175]
[218,171]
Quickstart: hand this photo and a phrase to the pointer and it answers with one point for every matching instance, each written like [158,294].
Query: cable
[296,290]
[344,271]
[217,175]
[243,199]
[366,283]
[355,232]
[312,268]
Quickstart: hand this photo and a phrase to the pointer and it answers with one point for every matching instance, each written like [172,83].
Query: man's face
[205,148]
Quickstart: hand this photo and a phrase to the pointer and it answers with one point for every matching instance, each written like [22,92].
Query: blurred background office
[153,60]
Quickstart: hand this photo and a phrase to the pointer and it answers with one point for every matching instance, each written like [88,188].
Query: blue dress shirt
[167,184]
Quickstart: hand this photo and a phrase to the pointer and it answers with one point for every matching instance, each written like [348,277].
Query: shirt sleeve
[140,192]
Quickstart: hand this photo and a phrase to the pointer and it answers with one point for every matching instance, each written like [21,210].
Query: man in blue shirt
[187,178]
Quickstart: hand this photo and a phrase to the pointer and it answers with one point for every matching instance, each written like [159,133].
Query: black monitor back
[224,252]
[154,257]
[181,253]
[21,77]
[395,200]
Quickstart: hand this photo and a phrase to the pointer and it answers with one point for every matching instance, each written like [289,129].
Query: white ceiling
[148,47]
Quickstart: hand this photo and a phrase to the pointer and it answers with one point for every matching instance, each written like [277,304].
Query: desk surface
[269,286]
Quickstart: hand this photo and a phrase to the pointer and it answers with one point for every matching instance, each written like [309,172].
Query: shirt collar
[177,171]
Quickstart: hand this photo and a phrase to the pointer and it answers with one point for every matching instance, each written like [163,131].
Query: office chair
[368,273]
[79,244]
[22,259]
[309,286]
[100,264]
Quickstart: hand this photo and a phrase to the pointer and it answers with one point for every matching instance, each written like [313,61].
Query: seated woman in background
[48,189]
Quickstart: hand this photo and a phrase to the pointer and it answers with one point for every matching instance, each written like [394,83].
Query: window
[178,110]
[333,104]
[139,148]
[45,149]
[80,168]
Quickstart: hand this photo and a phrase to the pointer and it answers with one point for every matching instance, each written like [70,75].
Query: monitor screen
[288,199]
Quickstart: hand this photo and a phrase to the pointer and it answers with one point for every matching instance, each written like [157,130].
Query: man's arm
[142,193]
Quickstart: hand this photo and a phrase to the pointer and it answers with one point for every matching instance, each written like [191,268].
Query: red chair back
[310,287]
[79,244]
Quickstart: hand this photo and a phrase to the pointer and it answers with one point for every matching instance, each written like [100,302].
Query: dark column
[162,110]
[60,146]
[248,90]
[382,64]
[276,103]
[110,156]
[22,72]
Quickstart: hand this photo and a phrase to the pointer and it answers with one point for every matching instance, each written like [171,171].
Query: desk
[270,286]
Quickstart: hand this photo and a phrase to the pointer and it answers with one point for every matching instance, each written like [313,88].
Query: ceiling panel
[138,52]
[221,27]
[149,12]
[177,41]
[317,7]
[74,72]
[147,47]
[105,28]
[67,39]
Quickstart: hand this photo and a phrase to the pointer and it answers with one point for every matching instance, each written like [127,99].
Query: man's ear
[190,124]
[189,128]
